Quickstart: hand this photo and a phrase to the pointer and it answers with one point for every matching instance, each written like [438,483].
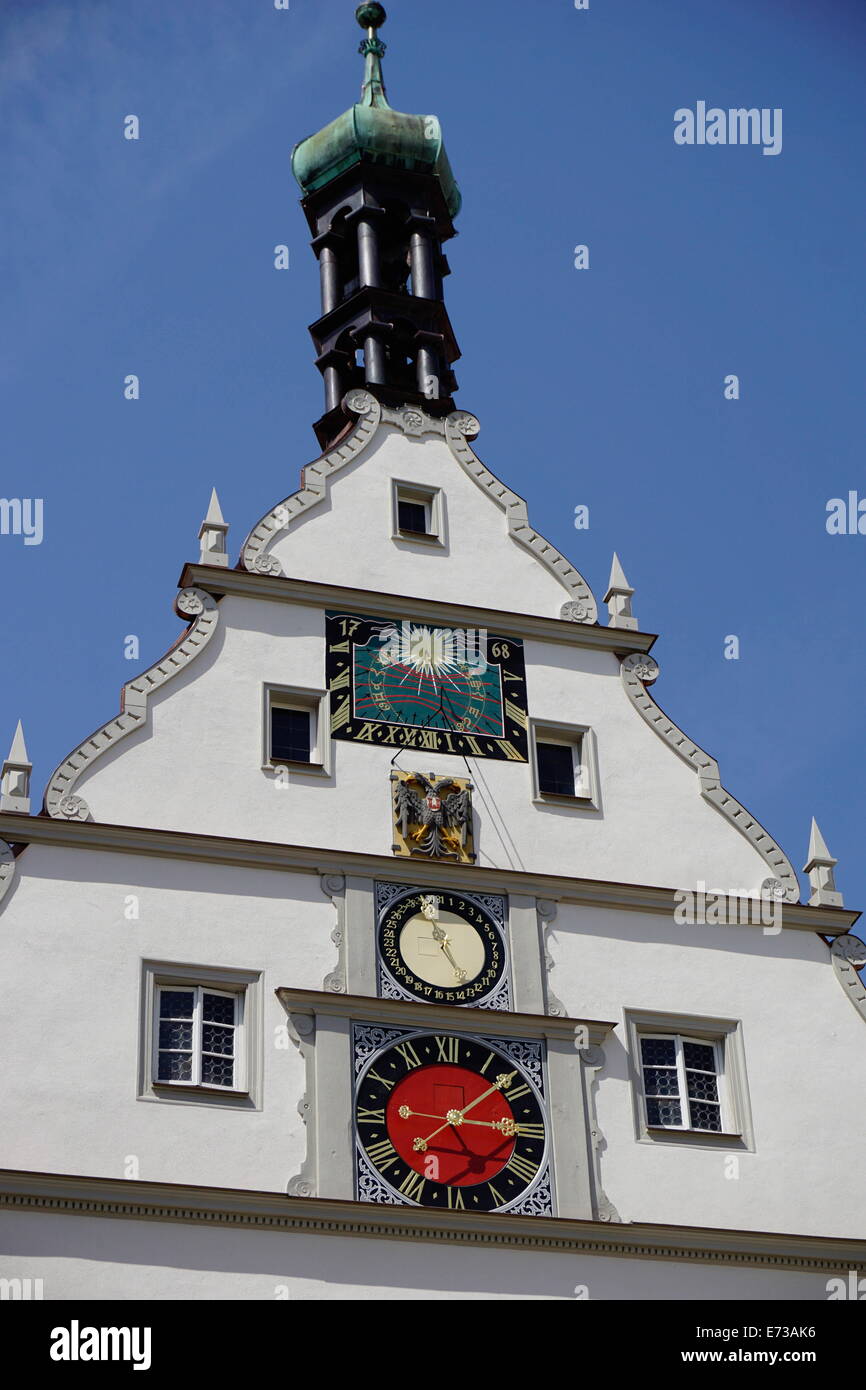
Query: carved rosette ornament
[267,564]
[773,888]
[639,670]
[849,957]
[192,604]
[576,611]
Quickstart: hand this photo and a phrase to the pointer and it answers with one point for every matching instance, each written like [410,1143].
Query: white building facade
[391,941]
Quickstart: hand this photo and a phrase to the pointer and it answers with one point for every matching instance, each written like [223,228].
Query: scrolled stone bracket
[201,610]
[546,913]
[315,481]
[849,957]
[639,671]
[593,1058]
[334,887]
[302,1031]
[7,868]
[460,426]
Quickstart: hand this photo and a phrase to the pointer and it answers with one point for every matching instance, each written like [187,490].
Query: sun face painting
[412,685]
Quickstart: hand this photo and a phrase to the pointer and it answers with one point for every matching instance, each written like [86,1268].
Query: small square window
[564,764]
[556,767]
[295,733]
[417,513]
[290,734]
[413,516]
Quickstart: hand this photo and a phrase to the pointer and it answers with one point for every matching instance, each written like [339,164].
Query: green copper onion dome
[373,132]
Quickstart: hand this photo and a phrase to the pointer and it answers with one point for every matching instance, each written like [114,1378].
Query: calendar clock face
[452,1122]
[412,685]
[443,948]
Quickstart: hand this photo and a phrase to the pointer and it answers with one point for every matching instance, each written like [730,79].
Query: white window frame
[238,1057]
[726,1037]
[678,1039]
[315,703]
[432,499]
[246,987]
[581,738]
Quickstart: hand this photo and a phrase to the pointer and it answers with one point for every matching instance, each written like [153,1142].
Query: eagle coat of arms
[432,816]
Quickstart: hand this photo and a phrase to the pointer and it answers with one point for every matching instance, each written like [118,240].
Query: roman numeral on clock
[340,715]
[382,1155]
[412,1186]
[448,1049]
[498,1199]
[516,713]
[376,1117]
[409,1055]
[389,1085]
[511,752]
[525,1168]
[517,1092]
[455,1199]
[531,1131]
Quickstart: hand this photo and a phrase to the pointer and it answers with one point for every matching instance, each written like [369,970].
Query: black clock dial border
[396,1060]
[394,917]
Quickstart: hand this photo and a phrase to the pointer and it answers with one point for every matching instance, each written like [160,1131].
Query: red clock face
[451,1122]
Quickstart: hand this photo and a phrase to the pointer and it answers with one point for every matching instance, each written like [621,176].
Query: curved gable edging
[638,671]
[456,430]
[59,801]
[581,605]
[315,480]
[849,957]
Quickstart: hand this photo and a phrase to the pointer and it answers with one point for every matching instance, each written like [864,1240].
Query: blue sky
[156,257]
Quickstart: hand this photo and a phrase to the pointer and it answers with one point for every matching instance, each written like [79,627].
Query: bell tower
[380,199]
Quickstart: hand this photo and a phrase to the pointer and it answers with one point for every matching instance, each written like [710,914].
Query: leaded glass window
[681,1082]
[197,1036]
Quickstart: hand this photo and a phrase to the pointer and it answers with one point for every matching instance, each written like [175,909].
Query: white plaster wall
[198,766]
[347,538]
[81,1257]
[70,1012]
[805,1048]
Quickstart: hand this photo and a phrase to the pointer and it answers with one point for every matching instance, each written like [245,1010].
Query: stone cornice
[282,588]
[267,854]
[272,1211]
[402,1013]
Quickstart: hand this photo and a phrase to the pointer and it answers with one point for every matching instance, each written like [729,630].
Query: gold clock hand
[502,1082]
[443,939]
[453,1117]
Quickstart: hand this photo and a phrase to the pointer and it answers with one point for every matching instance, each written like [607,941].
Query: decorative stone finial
[819,866]
[15,777]
[618,598]
[212,535]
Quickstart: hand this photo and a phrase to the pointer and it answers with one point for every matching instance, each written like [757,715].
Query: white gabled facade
[175,852]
